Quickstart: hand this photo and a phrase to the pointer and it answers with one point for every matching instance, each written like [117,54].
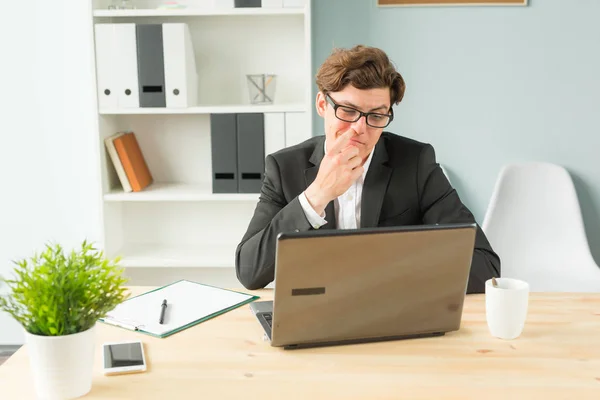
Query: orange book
[133,161]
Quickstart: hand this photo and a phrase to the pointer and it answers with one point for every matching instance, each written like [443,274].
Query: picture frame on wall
[397,3]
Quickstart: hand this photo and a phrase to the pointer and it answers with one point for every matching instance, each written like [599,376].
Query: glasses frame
[360,113]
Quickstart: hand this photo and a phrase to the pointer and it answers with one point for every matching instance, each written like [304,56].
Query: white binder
[296,128]
[181,78]
[116,66]
[105,75]
[274,132]
[125,65]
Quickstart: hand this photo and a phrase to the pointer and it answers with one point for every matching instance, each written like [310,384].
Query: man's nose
[360,126]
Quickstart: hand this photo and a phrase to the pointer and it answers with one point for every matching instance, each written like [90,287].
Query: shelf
[178,223]
[193,12]
[160,191]
[229,109]
[182,256]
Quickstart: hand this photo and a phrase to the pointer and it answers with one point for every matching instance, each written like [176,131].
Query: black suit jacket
[404,185]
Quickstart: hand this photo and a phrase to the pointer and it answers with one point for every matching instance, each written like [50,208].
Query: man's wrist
[316,202]
[314,219]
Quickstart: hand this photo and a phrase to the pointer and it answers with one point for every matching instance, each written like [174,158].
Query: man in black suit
[357,175]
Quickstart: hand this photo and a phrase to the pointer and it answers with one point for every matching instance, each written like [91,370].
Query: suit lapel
[311,173]
[375,186]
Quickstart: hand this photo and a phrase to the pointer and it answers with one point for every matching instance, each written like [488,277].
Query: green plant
[55,294]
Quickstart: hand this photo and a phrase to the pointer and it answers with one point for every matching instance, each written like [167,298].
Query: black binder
[251,152]
[247,3]
[223,134]
[151,66]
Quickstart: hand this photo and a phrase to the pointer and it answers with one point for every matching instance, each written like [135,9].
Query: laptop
[336,287]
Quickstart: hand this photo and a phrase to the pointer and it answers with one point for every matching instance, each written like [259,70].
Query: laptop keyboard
[269,318]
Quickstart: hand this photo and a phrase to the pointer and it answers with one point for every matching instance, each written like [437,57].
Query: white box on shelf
[116,65]
[272,3]
[293,3]
[181,77]
[106,75]
[126,65]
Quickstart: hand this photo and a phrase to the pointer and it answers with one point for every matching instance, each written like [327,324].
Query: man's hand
[339,169]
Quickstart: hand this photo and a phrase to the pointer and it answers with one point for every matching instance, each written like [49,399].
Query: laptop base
[263,310]
[359,341]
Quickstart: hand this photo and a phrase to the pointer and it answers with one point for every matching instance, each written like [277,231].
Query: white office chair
[534,223]
[445,173]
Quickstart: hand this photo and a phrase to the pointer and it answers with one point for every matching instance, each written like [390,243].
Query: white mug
[506,307]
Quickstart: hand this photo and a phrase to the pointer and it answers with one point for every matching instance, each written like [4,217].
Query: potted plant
[57,297]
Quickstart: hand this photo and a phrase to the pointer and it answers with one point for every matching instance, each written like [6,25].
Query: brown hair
[364,68]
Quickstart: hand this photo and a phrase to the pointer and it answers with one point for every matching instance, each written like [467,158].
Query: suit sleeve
[255,254]
[440,204]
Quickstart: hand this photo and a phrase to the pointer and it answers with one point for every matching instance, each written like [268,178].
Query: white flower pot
[62,365]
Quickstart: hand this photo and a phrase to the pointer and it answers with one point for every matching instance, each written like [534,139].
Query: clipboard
[188,303]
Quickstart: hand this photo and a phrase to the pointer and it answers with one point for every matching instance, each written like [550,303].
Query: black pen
[163,307]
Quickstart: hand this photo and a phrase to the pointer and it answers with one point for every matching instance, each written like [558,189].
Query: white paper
[187,302]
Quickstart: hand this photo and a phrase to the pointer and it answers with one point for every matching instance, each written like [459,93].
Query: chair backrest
[534,223]
[445,173]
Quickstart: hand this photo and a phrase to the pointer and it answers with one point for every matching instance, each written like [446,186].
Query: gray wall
[488,86]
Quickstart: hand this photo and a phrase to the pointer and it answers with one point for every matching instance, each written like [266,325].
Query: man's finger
[349,153]
[357,172]
[354,162]
[341,141]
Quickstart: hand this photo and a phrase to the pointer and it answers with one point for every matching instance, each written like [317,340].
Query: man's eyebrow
[349,104]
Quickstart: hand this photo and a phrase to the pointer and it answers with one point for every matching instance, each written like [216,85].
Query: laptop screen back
[337,285]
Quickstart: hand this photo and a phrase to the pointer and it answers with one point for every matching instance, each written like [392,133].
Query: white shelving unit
[178,221]
[197,12]
[187,256]
[178,192]
[223,109]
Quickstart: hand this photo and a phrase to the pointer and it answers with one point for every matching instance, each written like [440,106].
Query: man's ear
[321,104]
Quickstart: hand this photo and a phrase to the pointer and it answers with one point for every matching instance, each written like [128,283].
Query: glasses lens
[347,114]
[378,120]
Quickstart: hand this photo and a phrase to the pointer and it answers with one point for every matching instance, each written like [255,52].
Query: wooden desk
[558,356]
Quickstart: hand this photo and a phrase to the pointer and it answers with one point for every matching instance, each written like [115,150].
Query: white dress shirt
[347,206]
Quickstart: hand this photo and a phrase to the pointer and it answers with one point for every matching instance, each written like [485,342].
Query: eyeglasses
[349,114]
